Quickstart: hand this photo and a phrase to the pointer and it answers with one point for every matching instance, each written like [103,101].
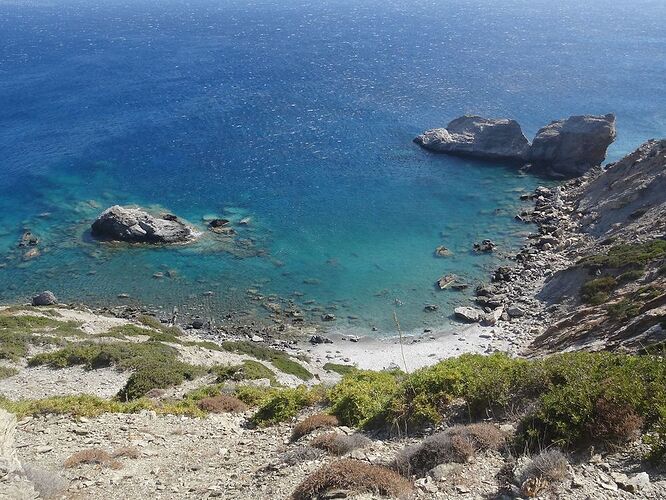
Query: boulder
[486,246]
[430,307]
[571,147]
[442,251]
[320,339]
[478,137]
[135,225]
[45,298]
[468,314]
[445,281]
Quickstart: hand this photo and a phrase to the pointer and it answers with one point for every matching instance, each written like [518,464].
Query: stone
[571,147]
[430,307]
[28,239]
[634,484]
[320,339]
[515,312]
[478,137]
[442,251]
[446,280]
[46,298]
[328,317]
[485,246]
[135,225]
[467,314]
[197,324]
[492,317]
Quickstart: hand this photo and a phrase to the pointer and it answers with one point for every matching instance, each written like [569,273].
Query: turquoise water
[299,116]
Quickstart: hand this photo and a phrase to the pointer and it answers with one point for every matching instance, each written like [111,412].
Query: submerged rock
[28,239]
[571,147]
[442,251]
[446,280]
[477,137]
[485,246]
[135,225]
[46,298]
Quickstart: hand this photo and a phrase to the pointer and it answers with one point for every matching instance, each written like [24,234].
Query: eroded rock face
[135,225]
[478,137]
[571,147]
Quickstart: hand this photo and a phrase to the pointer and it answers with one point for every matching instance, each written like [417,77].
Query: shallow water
[299,116]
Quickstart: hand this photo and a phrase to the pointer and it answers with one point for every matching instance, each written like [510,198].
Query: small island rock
[135,225]
[479,137]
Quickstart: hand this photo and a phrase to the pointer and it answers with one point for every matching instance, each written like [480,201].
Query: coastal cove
[343,213]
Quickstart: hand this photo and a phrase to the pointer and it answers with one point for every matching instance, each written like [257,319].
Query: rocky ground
[178,457]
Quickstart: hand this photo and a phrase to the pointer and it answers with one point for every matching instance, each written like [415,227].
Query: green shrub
[634,256]
[339,368]
[598,290]
[157,376]
[80,405]
[657,439]
[18,332]
[122,355]
[248,370]
[253,395]
[284,404]
[362,396]
[279,359]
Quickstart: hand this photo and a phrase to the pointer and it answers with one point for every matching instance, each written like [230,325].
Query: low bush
[92,456]
[222,403]
[248,370]
[279,359]
[456,444]
[78,406]
[633,256]
[550,465]
[157,376]
[597,291]
[362,397]
[614,423]
[340,444]
[339,368]
[313,422]
[284,404]
[657,439]
[354,475]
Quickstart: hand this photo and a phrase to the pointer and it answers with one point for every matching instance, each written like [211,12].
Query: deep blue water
[300,116]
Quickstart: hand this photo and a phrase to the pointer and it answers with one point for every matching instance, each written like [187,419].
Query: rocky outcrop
[571,147]
[13,484]
[479,137]
[135,225]
[564,148]
[45,298]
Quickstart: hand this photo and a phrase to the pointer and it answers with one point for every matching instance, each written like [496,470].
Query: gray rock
[45,298]
[571,147]
[135,225]
[468,314]
[320,339]
[430,307]
[515,312]
[634,484]
[477,137]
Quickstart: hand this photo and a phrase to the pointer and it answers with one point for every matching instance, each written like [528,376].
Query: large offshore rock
[571,147]
[478,137]
[135,225]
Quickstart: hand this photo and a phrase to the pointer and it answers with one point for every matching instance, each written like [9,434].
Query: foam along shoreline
[414,350]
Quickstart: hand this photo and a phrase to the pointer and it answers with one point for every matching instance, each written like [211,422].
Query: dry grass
[456,444]
[550,465]
[318,421]
[614,423]
[92,456]
[223,404]
[127,452]
[354,475]
[339,444]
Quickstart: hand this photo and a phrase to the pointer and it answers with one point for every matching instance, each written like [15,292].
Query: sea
[294,119]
